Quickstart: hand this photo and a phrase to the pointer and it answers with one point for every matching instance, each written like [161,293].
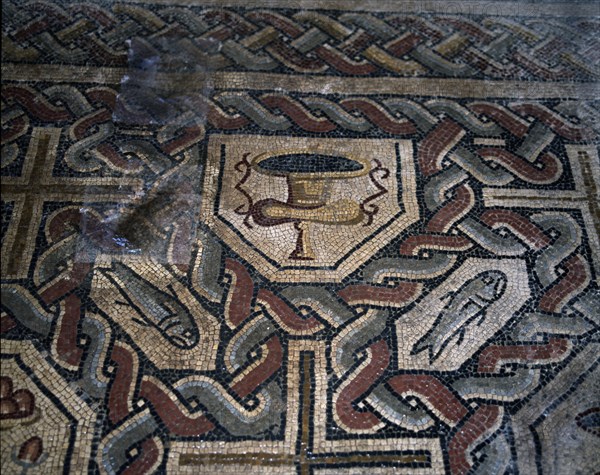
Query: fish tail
[426,344]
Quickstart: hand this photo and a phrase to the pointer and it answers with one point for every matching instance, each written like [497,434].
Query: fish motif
[467,305]
[154,307]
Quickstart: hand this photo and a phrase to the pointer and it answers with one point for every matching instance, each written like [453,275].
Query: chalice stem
[303,249]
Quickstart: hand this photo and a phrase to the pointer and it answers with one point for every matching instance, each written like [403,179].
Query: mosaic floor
[300,237]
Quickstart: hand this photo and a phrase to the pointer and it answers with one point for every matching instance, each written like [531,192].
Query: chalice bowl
[309,176]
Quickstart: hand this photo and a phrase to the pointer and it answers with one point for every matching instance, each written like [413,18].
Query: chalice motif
[309,176]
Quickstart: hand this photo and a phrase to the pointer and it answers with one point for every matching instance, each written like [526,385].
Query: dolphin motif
[154,307]
[467,305]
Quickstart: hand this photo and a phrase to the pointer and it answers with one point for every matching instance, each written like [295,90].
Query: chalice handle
[303,249]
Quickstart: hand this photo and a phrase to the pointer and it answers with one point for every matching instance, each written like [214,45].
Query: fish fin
[434,355]
[140,322]
[421,345]
[461,336]
[426,344]
[170,291]
[481,318]
[436,349]
[448,296]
